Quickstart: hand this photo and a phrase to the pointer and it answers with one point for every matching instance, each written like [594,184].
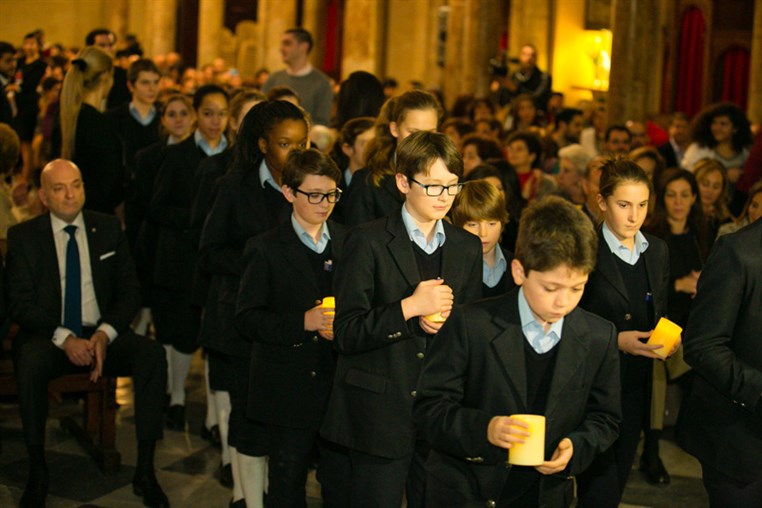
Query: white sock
[222,403]
[211,409]
[142,321]
[253,471]
[168,351]
[237,490]
[181,363]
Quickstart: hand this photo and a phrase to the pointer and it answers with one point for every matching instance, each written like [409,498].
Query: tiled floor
[187,466]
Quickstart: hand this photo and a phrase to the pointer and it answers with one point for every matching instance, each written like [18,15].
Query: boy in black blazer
[529,351]
[404,274]
[289,271]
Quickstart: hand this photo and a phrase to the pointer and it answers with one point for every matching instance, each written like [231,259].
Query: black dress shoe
[212,435]
[36,491]
[655,472]
[149,489]
[226,475]
[175,419]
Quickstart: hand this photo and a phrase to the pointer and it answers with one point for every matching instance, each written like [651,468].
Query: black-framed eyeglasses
[315,198]
[436,190]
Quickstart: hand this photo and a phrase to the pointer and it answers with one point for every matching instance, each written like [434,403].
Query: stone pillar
[472,40]
[275,17]
[119,11]
[313,20]
[631,81]
[211,16]
[530,22]
[361,40]
[755,76]
[162,23]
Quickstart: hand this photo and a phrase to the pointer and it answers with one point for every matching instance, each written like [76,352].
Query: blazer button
[419,355]
[315,338]
[413,393]
[490,503]
[627,317]
[390,336]
[313,373]
[398,334]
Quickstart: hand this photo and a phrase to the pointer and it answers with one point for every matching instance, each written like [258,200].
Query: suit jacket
[668,152]
[34,283]
[170,208]
[366,202]
[133,134]
[238,213]
[606,295]
[475,370]
[721,420]
[291,369]
[379,352]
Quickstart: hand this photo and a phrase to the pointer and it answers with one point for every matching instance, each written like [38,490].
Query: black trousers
[37,360]
[727,492]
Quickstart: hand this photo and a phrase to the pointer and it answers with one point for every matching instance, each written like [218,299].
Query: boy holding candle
[403,267]
[288,277]
[530,351]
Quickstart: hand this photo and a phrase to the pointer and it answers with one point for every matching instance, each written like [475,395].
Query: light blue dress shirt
[142,121]
[628,256]
[266,177]
[306,238]
[534,333]
[417,236]
[492,275]
[204,146]
[347,176]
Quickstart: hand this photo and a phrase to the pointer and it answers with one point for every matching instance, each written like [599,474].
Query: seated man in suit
[73,291]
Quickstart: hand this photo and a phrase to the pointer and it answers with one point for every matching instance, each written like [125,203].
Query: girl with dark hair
[361,94]
[720,132]
[524,115]
[373,192]
[629,287]
[249,200]
[477,149]
[29,73]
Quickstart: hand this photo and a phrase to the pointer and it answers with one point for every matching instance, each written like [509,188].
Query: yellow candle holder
[532,451]
[666,334]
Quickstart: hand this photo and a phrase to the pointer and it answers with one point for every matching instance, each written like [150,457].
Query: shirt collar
[301,72]
[628,256]
[136,115]
[541,341]
[266,177]
[306,238]
[204,146]
[492,275]
[59,224]
[417,236]
[347,176]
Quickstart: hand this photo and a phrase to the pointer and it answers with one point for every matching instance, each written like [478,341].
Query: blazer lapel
[401,249]
[606,266]
[295,255]
[508,347]
[452,264]
[571,357]
[96,249]
[49,254]
[654,269]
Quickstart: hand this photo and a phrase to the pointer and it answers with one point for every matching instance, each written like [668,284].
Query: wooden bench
[97,433]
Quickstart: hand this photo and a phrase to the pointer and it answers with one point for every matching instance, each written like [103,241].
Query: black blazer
[668,152]
[291,369]
[606,294]
[366,202]
[239,212]
[133,134]
[175,260]
[379,352]
[475,370]
[34,282]
[721,420]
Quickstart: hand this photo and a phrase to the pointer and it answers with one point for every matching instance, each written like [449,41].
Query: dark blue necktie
[73,296]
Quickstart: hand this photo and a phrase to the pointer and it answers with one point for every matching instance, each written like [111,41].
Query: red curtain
[735,76]
[332,55]
[690,62]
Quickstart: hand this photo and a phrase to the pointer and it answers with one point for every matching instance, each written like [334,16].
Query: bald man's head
[62,189]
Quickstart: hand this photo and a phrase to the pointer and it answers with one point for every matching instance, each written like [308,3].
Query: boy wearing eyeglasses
[289,271]
[403,276]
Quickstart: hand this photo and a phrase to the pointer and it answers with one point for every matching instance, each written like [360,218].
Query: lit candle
[532,451]
[667,334]
[435,318]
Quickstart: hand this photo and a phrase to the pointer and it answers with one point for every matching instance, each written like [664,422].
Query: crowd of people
[314,237]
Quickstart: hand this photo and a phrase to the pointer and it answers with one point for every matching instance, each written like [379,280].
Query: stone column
[119,11]
[211,16]
[530,22]
[631,81]
[361,40]
[313,20]
[755,76]
[162,22]
[275,17]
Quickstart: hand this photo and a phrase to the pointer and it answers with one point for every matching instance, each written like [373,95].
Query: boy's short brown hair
[554,232]
[141,65]
[417,152]
[301,163]
[479,200]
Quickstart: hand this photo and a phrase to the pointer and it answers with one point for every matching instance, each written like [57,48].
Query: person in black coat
[373,192]
[289,271]
[402,278]
[105,40]
[475,376]
[175,318]
[629,287]
[721,419]
[248,201]
[97,294]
